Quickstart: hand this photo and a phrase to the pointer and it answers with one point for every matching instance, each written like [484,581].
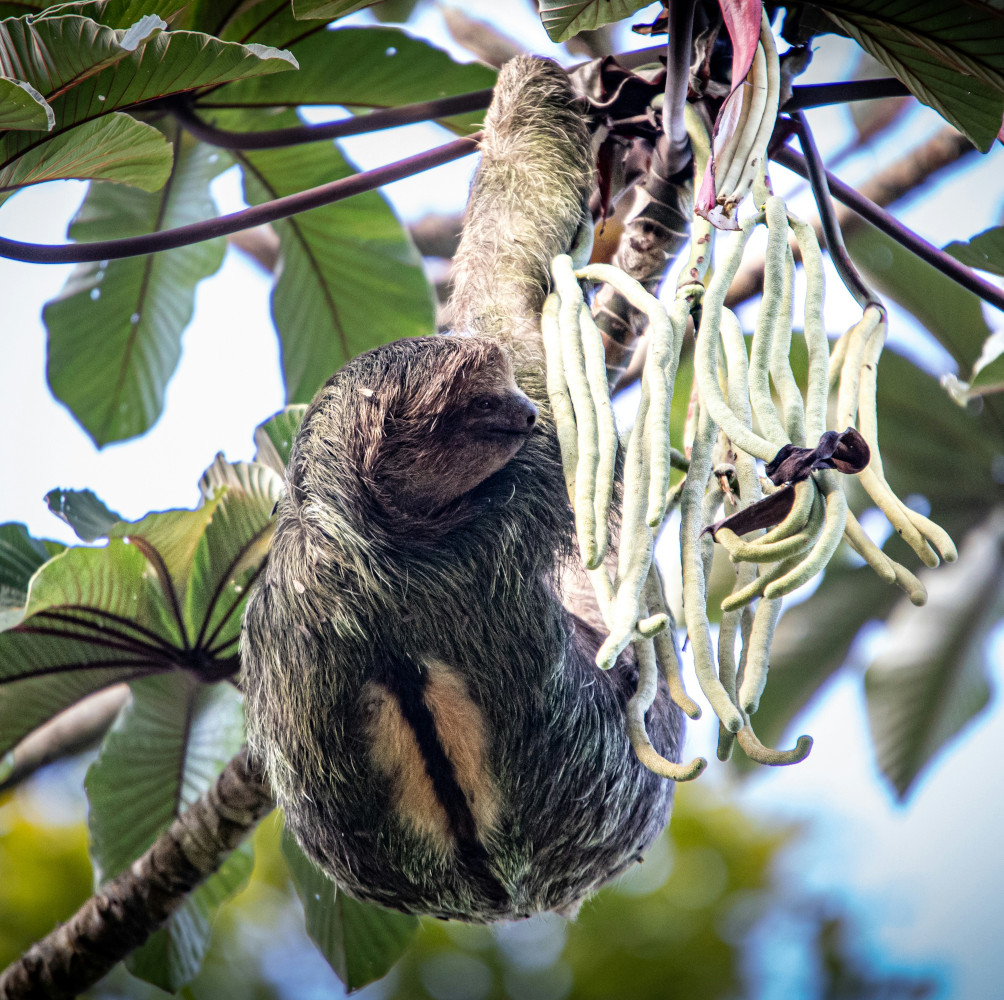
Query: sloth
[418,658]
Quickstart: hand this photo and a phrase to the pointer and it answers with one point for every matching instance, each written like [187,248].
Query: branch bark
[124,913]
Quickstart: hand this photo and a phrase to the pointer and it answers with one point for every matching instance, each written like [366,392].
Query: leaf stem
[849,275]
[295,135]
[224,225]
[892,227]
[818,95]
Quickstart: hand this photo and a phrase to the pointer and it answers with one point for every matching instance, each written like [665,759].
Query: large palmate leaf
[231,551]
[89,622]
[564,18]
[20,556]
[951,56]
[85,70]
[115,328]
[361,68]
[349,276]
[360,941]
[930,678]
[114,148]
[23,107]
[165,750]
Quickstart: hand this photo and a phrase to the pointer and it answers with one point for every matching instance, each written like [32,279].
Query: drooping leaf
[359,940]
[267,22]
[85,71]
[930,679]
[115,328]
[361,68]
[951,56]
[349,276]
[83,512]
[988,372]
[564,18]
[165,750]
[231,551]
[23,107]
[126,13]
[985,251]
[274,438]
[20,556]
[327,10]
[115,148]
[90,621]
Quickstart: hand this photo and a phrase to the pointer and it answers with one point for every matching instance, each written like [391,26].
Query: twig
[892,227]
[834,239]
[119,917]
[296,135]
[224,225]
[818,95]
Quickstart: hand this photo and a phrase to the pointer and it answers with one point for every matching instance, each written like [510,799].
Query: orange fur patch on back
[395,753]
[460,726]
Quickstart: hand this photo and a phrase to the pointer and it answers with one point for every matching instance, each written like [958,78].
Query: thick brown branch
[76,729]
[124,913]
[886,187]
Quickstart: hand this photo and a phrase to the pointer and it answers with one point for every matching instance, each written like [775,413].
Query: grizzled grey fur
[369,575]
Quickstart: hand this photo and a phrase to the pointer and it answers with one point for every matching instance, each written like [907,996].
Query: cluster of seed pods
[799,498]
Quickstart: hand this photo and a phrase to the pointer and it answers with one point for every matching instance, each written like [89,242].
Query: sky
[924,879]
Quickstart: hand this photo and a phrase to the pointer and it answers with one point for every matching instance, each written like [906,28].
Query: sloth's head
[417,422]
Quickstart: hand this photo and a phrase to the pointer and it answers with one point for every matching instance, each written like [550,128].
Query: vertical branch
[678,54]
[849,274]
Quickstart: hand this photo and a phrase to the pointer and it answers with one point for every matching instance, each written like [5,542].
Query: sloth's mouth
[506,432]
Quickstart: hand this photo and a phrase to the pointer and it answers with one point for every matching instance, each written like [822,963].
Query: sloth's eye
[485,403]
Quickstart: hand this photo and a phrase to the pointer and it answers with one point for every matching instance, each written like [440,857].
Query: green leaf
[83,512]
[85,72]
[165,750]
[564,18]
[274,438]
[931,678]
[985,251]
[115,148]
[231,551]
[115,328]
[23,107]
[173,956]
[349,276]
[951,56]
[362,68]
[20,556]
[360,941]
[91,620]
[327,10]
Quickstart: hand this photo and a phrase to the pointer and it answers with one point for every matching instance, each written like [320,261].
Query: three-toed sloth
[419,655]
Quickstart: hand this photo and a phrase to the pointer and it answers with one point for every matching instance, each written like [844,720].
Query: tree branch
[891,226]
[121,916]
[896,181]
[296,135]
[224,225]
[70,732]
[819,95]
[679,47]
